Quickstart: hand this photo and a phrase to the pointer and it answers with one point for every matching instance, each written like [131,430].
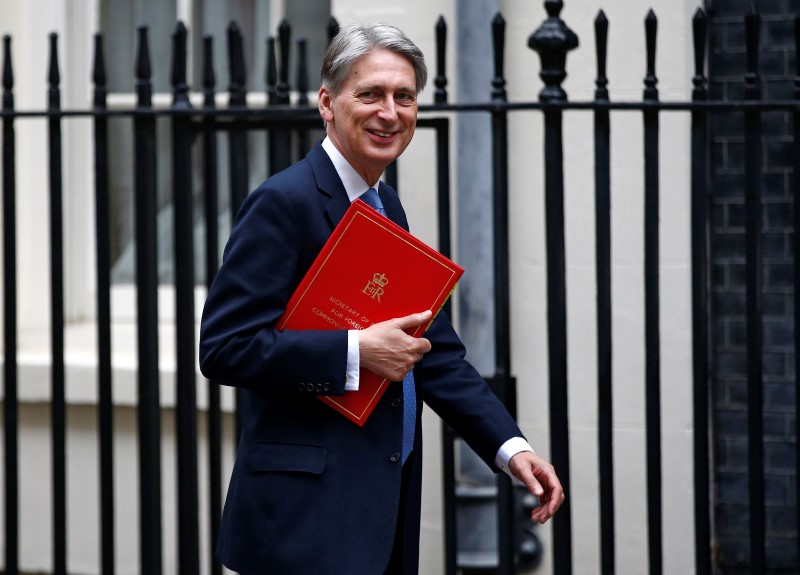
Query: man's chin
[385,155]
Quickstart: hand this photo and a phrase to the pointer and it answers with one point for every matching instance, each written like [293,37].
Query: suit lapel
[391,203]
[328,184]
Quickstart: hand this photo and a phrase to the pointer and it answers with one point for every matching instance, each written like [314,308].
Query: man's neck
[354,183]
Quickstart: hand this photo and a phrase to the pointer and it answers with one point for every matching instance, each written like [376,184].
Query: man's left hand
[540,478]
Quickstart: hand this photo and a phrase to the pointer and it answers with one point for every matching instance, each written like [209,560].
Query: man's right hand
[387,350]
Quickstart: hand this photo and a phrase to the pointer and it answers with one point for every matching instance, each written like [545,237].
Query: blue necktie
[372,198]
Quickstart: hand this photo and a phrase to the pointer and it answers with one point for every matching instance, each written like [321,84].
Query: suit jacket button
[318,387]
[301,386]
[326,387]
[395,457]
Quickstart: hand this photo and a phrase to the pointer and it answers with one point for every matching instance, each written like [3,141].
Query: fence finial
[797,59]
[53,75]
[651,80]
[752,24]
[236,70]
[209,77]
[601,45]
[272,72]
[552,41]
[333,29]
[144,89]
[284,41]
[180,89]
[302,72]
[8,75]
[440,96]
[700,34]
[99,73]
[499,44]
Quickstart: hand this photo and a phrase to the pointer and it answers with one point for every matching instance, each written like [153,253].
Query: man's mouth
[381,134]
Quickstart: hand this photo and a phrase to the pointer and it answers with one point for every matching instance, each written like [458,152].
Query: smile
[381,134]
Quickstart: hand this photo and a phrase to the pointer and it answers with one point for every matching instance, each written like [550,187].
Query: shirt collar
[353,183]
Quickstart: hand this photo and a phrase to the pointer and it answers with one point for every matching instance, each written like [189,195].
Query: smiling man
[311,492]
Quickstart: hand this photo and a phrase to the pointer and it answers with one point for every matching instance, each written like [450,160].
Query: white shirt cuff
[508,450]
[351,375]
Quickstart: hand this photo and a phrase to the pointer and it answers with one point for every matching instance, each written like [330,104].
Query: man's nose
[388,109]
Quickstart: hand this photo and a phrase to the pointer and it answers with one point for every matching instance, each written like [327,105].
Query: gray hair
[355,40]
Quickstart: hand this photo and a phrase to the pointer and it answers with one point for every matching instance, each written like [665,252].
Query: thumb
[534,486]
[522,469]
[413,320]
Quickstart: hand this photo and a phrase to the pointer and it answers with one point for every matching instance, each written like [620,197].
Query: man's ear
[325,104]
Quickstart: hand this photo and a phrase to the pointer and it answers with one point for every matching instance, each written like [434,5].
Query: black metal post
[10,367]
[186,400]
[302,73]
[553,40]
[605,404]
[57,401]
[443,189]
[272,73]
[237,147]
[449,500]
[440,95]
[652,319]
[280,139]
[147,316]
[442,128]
[796,252]
[443,203]
[700,304]
[753,299]
[105,402]
[303,144]
[505,388]
[211,201]
[442,149]
[239,175]
[332,29]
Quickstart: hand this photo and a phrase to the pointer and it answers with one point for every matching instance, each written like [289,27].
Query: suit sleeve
[451,386]
[265,258]
[454,389]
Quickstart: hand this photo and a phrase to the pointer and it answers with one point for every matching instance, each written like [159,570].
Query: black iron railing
[288,130]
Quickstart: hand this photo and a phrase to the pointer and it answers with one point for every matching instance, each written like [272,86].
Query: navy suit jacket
[311,492]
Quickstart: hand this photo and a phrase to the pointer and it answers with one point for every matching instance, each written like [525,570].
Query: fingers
[551,498]
[548,505]
[387,350]
[540,478]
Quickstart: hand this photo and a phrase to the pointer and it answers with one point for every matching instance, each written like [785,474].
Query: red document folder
[368,271]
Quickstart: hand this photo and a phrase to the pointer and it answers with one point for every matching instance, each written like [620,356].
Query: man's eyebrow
[381,88]
[368,87]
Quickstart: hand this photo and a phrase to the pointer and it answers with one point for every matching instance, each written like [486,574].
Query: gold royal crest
[374,287]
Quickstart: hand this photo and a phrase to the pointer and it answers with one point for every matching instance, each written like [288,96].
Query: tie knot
[372,199]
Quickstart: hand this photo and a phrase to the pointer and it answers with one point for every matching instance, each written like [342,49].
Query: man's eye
[370,96]
[405,98]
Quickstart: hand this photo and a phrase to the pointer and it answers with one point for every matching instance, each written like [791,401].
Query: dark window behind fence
[192,154]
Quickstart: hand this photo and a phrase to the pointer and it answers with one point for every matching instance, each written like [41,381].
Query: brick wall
[777,68]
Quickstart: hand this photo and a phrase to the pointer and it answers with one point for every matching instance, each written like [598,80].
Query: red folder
[368,271]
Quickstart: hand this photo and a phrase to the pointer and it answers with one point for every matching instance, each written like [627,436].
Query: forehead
[382,67]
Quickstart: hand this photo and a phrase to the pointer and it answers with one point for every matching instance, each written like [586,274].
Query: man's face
[372,118]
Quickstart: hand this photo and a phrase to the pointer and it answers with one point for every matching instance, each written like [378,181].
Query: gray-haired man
[312,493]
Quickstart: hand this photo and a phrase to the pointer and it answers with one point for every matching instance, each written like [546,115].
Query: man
[312,493]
